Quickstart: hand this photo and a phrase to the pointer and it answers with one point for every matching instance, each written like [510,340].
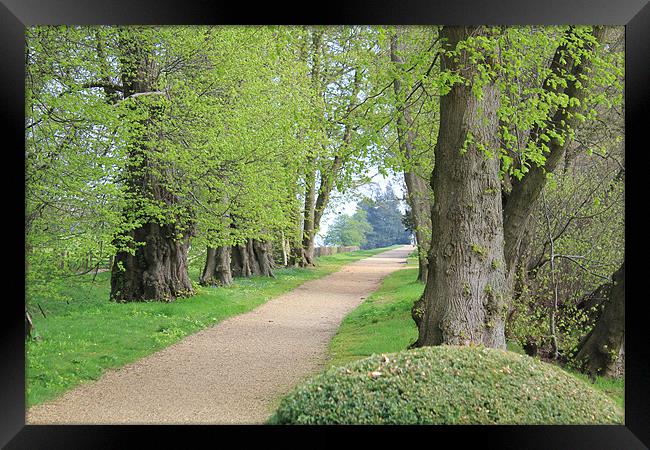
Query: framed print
[385,213]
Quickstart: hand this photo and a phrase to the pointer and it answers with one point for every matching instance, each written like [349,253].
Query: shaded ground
[235,371]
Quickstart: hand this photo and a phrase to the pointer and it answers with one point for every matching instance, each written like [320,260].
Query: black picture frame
[15,15]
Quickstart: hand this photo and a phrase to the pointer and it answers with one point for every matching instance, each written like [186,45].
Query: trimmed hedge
[447,385]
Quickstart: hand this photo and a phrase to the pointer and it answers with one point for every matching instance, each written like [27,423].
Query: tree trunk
[155,268]
[328,177]
[418,194]
[464,296]
[240,261]
[418,197]
[285,251]
[295,254]
[217,267]
[253,258]
[600,351]
[306,256]
[315,205]
[263,252]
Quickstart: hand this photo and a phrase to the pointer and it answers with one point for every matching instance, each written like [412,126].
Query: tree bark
[418,193]
[263,252]
[157,270]
[253,258]
[600,350]
[464,297]
[217,267]
[156,266]
[306,257]
[285,251]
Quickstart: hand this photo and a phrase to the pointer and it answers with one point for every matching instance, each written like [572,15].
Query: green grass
[383,324]
[82,338]
[613,387]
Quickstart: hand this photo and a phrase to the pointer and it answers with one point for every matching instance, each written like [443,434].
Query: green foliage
[589,244]
[447,385]
[385,219]
[529,105]
[349,230]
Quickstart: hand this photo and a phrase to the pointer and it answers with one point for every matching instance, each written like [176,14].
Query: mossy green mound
[447,385]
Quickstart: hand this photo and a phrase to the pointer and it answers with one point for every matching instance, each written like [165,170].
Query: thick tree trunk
[464,296]
[253,258]
[263,252]
[600,351]
[240,265]
[157,270]
[217,267]
[418,193]
[156,266]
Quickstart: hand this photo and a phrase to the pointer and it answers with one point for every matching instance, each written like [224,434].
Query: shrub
[446,385]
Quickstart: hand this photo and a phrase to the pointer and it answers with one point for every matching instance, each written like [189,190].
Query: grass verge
[80,339]
[383,324]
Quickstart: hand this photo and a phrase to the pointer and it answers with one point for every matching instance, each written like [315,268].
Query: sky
[348,203]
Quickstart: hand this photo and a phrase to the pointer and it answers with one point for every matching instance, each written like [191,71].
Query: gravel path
[235,371]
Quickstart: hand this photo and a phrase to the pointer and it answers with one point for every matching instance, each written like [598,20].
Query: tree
[337,73]
[581,83]
[147,145]
[152,264]
[553,119]
[567,75]
[600,350]
[465,294]
[349,230]
[416,174]
[73,155]
[385,219]
[172,132]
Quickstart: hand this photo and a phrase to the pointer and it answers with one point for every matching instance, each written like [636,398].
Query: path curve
[234,371]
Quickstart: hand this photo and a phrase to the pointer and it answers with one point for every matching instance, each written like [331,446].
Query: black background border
[634,14]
